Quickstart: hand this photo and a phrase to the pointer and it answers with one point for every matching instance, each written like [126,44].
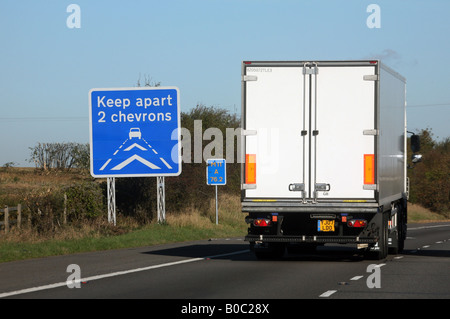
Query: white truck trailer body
[322,137]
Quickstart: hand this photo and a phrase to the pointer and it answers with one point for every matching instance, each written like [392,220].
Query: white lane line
[426,227]
[426,246]
[356,278]
[118,273]
[328,293]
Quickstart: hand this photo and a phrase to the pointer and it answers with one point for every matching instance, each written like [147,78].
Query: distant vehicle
[325,156]
[135,132]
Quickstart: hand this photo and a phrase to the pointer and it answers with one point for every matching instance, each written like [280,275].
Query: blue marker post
[216,175]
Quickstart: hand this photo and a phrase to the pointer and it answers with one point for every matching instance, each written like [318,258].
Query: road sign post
[161,199]
[111,189]
[135,132]
[216,175]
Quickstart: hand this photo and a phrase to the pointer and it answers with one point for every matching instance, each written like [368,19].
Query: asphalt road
[225,269]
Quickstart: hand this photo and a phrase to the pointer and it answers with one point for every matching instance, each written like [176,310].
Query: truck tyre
[383,240]
[400,233]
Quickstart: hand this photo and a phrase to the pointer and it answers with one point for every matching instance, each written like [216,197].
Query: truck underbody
[274,227]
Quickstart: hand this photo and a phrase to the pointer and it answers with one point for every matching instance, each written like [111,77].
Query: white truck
[324,155]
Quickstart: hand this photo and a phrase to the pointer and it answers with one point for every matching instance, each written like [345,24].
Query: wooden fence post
[6,220]
[65,209]
[19,215]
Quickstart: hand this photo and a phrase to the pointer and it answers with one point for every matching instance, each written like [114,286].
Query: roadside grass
[419,214]
[99,235]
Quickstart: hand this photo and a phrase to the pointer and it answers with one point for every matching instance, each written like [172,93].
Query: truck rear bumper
[299,207]
[310,239]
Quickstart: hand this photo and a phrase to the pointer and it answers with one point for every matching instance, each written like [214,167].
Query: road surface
[224,269]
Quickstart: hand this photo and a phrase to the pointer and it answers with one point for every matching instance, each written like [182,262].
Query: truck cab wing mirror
[415,147]
[415,143]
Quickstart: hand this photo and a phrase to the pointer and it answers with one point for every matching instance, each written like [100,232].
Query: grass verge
[419,214]
[190,225]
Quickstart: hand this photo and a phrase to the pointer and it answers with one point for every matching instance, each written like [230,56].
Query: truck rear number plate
[325,225]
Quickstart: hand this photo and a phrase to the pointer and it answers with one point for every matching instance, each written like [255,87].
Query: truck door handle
[297,187]
[322,187]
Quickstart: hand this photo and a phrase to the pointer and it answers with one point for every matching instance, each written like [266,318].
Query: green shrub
[85,200]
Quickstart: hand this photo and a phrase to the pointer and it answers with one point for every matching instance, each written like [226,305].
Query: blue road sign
[216,172]
[135,132]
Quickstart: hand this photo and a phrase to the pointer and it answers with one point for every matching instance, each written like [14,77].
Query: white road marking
[426,227]
[328,293]
[356,278]
[118,273]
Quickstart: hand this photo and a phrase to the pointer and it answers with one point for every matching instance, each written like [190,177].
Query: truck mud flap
[310,239]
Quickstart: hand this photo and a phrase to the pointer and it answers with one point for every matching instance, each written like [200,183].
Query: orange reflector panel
[369,169]
[250,169]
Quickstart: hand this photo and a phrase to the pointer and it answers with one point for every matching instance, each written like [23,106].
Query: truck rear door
[310,131]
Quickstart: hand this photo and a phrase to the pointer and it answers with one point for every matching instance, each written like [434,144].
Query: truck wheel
[400,242]
[383,242]
[382,250]
[400,233]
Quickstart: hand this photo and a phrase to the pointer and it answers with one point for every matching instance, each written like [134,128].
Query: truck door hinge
[249,78]
[313,70]
[371,77]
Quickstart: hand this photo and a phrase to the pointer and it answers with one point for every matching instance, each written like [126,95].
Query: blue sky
[47,69]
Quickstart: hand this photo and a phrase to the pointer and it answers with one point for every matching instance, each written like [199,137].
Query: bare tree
[60,155]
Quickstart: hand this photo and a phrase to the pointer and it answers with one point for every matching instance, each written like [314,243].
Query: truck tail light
[262,222]
[369,169]
[357,223]
[250,169]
